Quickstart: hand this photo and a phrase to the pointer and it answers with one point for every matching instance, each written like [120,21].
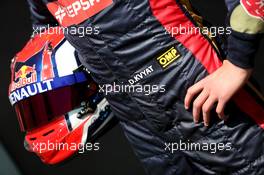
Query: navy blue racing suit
[137,47]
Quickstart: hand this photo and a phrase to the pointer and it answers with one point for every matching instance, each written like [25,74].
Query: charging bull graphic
[24,76]
[24,71]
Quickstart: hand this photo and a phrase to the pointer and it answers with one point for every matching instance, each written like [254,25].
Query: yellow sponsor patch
[168,57]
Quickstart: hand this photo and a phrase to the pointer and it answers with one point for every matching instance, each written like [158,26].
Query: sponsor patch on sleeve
[70,12]
[254,8]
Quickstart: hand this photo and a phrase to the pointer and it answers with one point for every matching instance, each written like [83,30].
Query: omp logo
[168,57]
[75,11]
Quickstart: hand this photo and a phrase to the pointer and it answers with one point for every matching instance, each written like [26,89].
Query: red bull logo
[24,76]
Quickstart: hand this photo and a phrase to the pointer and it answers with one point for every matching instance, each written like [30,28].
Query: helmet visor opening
[42,108]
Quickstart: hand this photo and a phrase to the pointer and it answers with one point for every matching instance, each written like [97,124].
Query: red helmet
[56,101]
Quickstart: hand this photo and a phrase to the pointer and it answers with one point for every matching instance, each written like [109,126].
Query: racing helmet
[56,101]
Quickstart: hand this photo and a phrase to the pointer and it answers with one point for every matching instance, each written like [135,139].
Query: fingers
[208,95]
[207,106]
[191,92]
[220,109]
[197,105]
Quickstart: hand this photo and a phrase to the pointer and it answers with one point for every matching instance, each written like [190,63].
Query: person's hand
[216,88]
